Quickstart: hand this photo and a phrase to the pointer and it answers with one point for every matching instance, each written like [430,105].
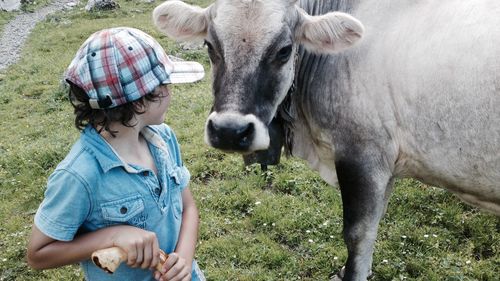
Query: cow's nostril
[244,135]
[212,126]
[231,136]
[245,130]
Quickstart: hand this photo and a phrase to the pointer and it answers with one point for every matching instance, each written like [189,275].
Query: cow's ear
[329,33]
[181,21]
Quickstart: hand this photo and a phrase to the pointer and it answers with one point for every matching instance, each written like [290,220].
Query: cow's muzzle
[235,132]
[232,137]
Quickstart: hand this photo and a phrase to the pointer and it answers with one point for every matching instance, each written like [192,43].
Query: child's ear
[181,21]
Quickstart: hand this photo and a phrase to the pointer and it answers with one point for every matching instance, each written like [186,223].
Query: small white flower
[403,236]
[257,203]
[265,224]
[434,235]
[325,223]
[4,260]
[311,241]
[335,258]
[331,236]
[426,235]
[308,231]
[273,224]
[467,262]
[385,261]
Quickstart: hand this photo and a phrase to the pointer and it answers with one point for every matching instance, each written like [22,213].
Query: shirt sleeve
[65,207]
[183,175]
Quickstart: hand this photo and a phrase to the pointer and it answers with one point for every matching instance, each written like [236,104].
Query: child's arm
[141,246]
[180,262]
[189,229]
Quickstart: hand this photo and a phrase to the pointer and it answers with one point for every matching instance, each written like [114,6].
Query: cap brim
[186,72]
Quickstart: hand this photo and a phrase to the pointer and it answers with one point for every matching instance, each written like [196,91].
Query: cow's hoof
[339,275]
[336,278]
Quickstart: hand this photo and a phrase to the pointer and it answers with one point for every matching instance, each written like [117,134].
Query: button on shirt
[93,188]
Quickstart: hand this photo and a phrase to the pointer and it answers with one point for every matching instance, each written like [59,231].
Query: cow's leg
[388,192]
[365,184]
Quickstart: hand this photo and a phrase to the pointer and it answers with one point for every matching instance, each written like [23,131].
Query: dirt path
[16,31]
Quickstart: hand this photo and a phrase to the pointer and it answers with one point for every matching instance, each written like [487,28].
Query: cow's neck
[304,99]
[301,108]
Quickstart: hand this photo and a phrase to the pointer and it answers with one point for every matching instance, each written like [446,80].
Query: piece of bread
[109,259]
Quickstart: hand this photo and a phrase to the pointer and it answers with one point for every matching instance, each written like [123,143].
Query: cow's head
[251,44]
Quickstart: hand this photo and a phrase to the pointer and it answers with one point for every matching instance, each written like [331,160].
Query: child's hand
[176,268]
[141,246]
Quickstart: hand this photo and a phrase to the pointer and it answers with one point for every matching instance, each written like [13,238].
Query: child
[123,183]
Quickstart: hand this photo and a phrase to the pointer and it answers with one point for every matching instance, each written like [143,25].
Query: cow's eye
[284,54]
[211,52]
[209,46]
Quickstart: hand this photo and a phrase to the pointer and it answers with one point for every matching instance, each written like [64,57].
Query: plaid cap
[120,65]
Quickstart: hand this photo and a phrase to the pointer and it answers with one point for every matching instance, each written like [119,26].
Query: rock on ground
[101,5]
[10,5]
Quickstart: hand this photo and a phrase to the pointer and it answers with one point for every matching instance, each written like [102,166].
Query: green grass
[32,5]
[5,17]
[284,224]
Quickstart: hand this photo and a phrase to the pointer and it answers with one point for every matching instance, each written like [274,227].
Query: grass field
[284,224]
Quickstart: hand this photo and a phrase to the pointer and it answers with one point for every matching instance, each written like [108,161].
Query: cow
[365,91]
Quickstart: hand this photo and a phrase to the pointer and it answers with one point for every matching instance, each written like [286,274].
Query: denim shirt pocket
[129,210]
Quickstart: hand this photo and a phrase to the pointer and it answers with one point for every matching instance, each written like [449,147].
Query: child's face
[156,111]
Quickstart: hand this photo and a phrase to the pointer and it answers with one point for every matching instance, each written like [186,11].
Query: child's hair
[101,119]
[116,72]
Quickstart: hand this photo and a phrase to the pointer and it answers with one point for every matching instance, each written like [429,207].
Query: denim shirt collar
[107,157]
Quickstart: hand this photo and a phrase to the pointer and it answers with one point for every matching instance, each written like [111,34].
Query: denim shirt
[93,188]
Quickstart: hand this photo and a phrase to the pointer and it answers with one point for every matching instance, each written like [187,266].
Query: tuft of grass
[5,17]
[282,224]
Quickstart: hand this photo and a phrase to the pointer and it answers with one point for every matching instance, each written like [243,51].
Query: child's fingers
[140,255]
[131,255]
[182,275]
[187,277]
[155,254]
[177,271]
[147,257]
[171,261]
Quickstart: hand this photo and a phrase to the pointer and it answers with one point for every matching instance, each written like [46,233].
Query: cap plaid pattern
[120,65]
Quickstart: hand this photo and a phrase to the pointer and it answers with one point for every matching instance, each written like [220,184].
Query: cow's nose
[231,137]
